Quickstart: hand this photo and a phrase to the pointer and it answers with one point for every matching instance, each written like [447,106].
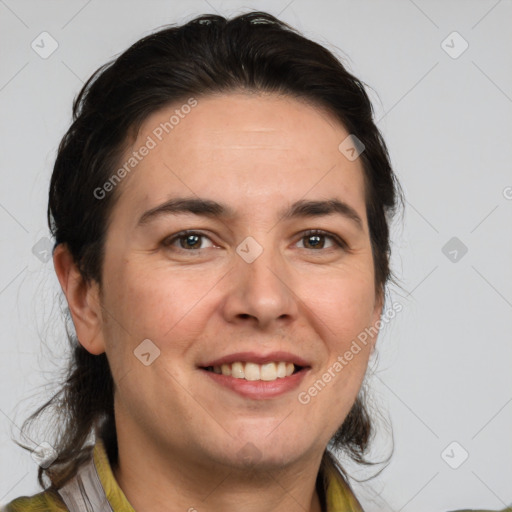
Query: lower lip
[259,389]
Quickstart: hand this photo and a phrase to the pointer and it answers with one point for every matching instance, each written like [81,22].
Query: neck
[153,479]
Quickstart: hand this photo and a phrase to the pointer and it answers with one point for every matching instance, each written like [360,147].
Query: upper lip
[254,357]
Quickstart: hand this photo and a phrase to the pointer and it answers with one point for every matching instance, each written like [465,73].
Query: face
[237,288]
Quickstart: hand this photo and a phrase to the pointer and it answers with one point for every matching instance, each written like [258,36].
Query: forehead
[252,151]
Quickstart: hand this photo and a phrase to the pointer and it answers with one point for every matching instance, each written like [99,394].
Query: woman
[220,208]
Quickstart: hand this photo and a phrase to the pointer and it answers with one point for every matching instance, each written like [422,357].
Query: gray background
[442,374]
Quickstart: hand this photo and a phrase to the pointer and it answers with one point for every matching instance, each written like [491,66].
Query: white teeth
[281,370]
[237,370]
[268,371]
[254,371]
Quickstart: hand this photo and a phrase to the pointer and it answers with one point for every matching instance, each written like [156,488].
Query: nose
[261,292]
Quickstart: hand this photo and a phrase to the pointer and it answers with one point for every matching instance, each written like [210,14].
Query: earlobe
[377,313]
[83,301]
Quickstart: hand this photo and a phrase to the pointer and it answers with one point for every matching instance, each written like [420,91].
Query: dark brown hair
[211,54]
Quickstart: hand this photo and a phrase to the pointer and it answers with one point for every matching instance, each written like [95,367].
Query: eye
[188,240]
[315,238]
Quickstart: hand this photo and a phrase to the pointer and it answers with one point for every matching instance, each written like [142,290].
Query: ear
[83,301]
[377,312]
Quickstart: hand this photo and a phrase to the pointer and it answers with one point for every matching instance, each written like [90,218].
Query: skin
[181,437]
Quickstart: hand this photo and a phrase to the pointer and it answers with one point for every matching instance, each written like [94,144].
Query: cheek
[151,306]
[344,305]
[155,304]
[346,312]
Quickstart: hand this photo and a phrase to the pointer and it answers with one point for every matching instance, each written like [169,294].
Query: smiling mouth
[254,372]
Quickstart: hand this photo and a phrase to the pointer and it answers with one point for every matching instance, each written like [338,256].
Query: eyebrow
[213,209]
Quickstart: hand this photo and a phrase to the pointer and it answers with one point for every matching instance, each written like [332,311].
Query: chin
[263,453]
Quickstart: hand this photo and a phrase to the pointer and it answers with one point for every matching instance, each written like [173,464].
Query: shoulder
[46,501]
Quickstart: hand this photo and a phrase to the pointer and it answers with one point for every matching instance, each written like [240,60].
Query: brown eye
[316,239]
[187,240]
[190,241]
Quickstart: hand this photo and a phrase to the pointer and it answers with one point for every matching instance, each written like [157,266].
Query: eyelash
[167,242]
